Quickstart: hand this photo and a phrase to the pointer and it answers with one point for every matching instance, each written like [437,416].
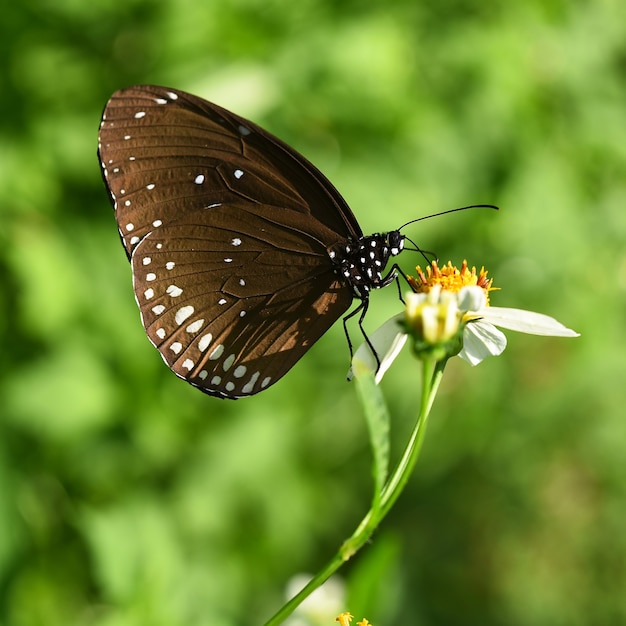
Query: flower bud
[433,321]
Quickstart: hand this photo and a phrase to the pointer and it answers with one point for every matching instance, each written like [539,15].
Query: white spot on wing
[174,291]
[239,371]
[238,174]
[150,186]
[151,276]
[247,388]
[199,179]
[170,265]
[140,114]
[266,381]
[183,313]
[216,380]
[204,342]
[236,241]
[188,364]
[228,361]
[149,293]
[130,227]
[160,333]
[158,309]
[176,347]
[222,301]
[146,260]
[157,223]
[230,386]
[217,352]
[194,327]
[203,374]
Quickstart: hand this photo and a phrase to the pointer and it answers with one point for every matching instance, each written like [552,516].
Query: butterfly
[243,253]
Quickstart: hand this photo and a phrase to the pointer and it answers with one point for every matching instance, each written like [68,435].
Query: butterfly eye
[243,254]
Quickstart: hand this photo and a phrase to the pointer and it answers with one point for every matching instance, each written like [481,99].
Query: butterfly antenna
[428,255]
[463,208]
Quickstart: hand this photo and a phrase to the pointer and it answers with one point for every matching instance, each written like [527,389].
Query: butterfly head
[395,242]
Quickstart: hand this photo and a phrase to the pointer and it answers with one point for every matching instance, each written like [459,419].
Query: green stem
[432,373]
[317,581]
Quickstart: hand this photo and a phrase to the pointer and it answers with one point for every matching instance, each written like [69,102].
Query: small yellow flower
[450,278]
[344,619]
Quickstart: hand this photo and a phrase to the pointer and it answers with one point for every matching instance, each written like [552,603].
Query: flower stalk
[447,314]
[431,376]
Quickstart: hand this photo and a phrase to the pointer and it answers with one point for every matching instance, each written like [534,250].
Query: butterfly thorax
[361,263]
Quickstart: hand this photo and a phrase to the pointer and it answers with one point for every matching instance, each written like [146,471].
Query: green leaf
[377,417]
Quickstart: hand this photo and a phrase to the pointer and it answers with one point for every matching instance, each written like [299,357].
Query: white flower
[481,338]
[478,320]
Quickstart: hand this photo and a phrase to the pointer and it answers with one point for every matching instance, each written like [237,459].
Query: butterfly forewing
[165,152]
[228,230]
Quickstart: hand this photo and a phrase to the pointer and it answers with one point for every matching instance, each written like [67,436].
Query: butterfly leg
[362,309]
[394,276]
[397,271]
[399,289]
[345,326]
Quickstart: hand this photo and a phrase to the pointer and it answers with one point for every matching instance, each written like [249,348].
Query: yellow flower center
[450,278]
[344,619]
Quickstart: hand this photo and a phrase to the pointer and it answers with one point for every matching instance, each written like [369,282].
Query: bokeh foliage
[128,498]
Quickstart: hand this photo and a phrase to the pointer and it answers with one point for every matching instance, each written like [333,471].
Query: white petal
[525,322]
[414,301]
[471,298]
[480,340]
[430,322]
[387,340]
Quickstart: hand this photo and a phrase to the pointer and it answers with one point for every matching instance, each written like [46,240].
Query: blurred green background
[128,498]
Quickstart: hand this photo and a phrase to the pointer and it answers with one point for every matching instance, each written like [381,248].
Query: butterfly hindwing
[230,309]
